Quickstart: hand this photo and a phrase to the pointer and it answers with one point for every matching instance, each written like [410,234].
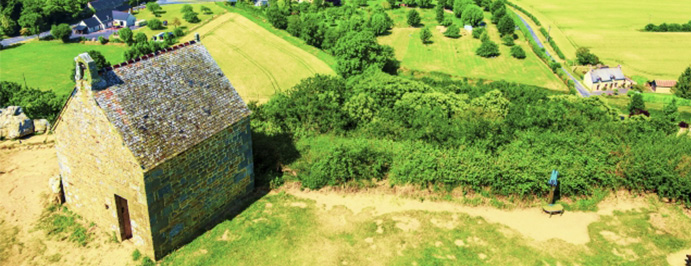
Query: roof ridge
[147,56]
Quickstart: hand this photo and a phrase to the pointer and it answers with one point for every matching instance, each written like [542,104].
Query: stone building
[156,149]
[606,78]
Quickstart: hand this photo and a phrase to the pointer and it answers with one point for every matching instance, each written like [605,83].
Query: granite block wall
[194,190]
[95,165]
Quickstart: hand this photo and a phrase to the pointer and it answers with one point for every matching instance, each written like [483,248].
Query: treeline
[35,103]
[347,32]
[530,15]
[501,137]
[671,27]
[552,43]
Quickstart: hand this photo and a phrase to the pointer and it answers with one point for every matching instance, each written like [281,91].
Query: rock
[41,126]
[14,123]
[55,187]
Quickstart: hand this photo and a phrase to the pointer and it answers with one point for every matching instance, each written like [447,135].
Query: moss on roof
[168,103]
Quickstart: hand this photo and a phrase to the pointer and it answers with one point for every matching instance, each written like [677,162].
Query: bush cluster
[500,136]
[552,43]
[530,15]
[671,27]
[36,103]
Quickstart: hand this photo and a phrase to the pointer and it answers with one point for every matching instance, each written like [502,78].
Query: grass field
[282,229]
[47,64]
[257,62]
[654,103]
[612,30]
[457,56]
[169,12]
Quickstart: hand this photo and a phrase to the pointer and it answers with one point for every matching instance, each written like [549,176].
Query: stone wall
[191,192]
[95,165]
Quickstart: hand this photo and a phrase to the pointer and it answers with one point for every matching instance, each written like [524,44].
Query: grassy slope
[257,62]
[47,64]
[611,29]
[173,11]
[283,230]
[457,56]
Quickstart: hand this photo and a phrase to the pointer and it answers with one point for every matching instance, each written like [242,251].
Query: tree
[312,31]
[508,40]
[439,13]
[488,49]
[478,32]
[102,40]
[424,3]
[276,17]
[459,6]
[392,3]
[683,87]
[191,17]
[496,5]
[175,22]
[61,32]
[153,7]
[186,9]
[425,35]
[636,103]
[294,25]
[380,22]
[414,18]
[357,51]
[671,111]
[99,59]
[517,52]
[32,21]
[205,10]
[650,27]
[472,15]
[155,24]
[584,57]
[506,25]
[442,3]
[125,35]
[452,31]
[498,14]
[484,37]
[140,38]
[178,32]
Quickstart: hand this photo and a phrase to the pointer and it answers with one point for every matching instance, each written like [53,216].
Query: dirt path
[24,172]
[572,227]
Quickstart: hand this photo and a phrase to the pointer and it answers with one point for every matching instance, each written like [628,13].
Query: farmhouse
[662,86]
[105,19]
[156,149]
[606,78]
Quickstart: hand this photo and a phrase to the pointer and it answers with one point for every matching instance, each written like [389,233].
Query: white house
[123,19]
[105,19]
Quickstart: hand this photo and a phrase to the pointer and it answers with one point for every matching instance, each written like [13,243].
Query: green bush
[517,52]
[477,32]
[452,31]
[488,49]
[136,255]
[155,24]
[507,40]
[36,103]
[355,161]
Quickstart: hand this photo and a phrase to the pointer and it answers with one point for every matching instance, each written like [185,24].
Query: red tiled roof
[665,83]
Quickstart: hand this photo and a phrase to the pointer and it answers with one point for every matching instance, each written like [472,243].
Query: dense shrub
[413,18]
[507,40]
[452,31]
[477,32]
[517,52]
[61,32]
[488,49]
[354,161]
[531,16]
[36,103]
[671,27]
[155,24]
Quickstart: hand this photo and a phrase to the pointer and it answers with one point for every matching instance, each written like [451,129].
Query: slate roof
[665,83]
[108,5]
[104,16]
[605,74]
[120,15]
[91,22]
[80,27]
[164,104]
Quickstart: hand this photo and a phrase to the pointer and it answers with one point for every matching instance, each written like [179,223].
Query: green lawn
[612,30]
[169,12]
[457,56]
[47,64]
[654,104]
[282,229]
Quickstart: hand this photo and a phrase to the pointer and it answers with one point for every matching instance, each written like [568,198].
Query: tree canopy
[683,87]
[413,18]
[61,32]
[472,15]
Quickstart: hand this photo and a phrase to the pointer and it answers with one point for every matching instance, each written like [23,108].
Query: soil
[24,172]
[571,227]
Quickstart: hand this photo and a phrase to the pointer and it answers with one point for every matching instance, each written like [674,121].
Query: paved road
[13,40]
[576,82]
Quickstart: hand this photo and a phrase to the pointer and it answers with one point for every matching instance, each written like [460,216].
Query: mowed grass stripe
[257,62]
[612,30]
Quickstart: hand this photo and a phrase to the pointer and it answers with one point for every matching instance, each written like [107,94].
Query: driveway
[576,82]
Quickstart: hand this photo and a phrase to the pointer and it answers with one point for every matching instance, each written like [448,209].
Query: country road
[576,82]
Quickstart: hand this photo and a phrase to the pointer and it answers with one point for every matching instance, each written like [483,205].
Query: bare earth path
[529,222]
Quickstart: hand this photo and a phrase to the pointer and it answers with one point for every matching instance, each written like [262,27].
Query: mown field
[47,64]
[169,12]
[457,56]
[282,229]
[257,62]
[613,31]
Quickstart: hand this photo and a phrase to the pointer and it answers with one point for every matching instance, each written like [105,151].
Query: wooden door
[123,217]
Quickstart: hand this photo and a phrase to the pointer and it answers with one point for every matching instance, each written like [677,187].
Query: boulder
[14,123]
[41,126]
